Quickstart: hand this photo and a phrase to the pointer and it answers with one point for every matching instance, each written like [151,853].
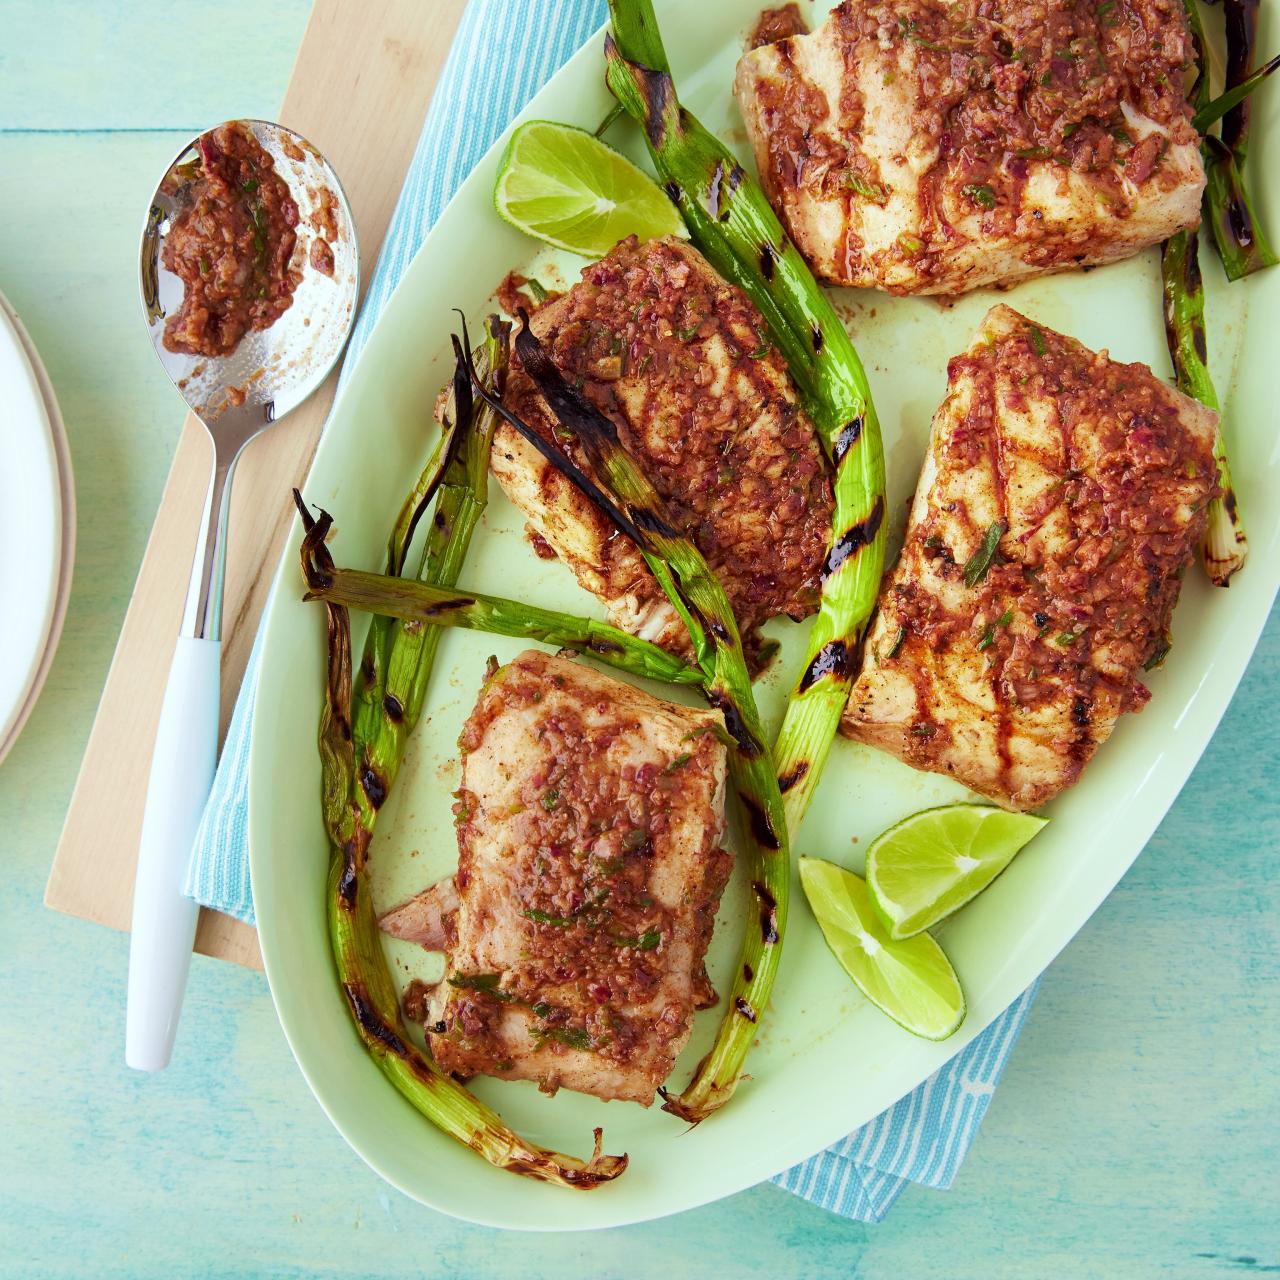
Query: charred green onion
[1225,544]
[1228,208]
[1239,243]
[626,496]
[1209,114]
[422,602]
[395,680]
[732,223]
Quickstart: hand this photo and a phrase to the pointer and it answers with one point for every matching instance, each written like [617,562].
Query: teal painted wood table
[1135,1133]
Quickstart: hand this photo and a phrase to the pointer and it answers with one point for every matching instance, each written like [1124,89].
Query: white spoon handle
[164,921]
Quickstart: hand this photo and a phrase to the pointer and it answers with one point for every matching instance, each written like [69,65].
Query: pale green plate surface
[826,1061]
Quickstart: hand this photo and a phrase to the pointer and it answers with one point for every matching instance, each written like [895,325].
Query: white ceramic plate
[826,1061]
[37,525]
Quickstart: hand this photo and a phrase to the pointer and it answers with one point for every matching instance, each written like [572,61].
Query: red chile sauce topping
[1000,82]
[517,291]
[1099,607]
[231,247]
[324,222]
[777,24]
[595,935]
[636,332]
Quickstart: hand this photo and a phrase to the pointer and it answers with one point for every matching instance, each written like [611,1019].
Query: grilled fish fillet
[921,146]
[681,362]
[1062,497]
[589,869]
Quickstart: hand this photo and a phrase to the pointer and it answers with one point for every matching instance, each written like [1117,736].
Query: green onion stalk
[400,670]
[397,661]
[733,224]
[1226,546]
[1229,210]
[630,501]
[389,597]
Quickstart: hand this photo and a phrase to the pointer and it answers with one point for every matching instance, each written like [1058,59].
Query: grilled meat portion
[921,146]
[1062,497]
[589,869]
[681,362]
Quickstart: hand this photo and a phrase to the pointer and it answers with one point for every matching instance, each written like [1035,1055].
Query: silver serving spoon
[269,372]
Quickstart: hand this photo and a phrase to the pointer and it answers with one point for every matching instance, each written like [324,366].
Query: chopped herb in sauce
[1038,344]
[989,635]
[647,941]
[867,189]
[909,30]
[897,643]
[1160,653]
[980,193]
[678,763]
[545,917]
[570,1037]
[910,245]
[486,982]
[550,799]
[978,564]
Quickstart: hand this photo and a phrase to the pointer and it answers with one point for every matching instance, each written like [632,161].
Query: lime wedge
[932,863]
[568,188]
[912,980]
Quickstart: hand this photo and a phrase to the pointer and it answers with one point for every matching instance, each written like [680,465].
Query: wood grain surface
[359,90]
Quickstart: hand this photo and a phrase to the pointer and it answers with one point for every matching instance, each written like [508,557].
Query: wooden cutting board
[360,88]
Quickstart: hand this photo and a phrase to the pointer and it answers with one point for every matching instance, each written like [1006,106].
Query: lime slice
[912,980]
[568,188]
[932,863]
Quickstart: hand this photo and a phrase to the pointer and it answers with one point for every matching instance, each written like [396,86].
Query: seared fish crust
[1062,497]
[681,362]
[589,870]
[918,146]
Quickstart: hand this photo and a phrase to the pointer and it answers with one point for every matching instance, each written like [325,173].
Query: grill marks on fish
[1098,476]
[922,147]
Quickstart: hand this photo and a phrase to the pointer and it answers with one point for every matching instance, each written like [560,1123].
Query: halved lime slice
[932,863]
[912,981]
[568,188]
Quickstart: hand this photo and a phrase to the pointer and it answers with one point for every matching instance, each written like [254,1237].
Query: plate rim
[65,497]
[1217,687]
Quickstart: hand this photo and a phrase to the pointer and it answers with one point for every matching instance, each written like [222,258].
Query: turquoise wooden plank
[1133,1134]
[121,65]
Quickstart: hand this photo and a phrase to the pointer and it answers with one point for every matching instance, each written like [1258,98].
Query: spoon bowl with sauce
[250,274]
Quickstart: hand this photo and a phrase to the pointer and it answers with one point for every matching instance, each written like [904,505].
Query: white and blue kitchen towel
[504,52]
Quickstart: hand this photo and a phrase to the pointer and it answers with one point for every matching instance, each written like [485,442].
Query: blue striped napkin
[502,56]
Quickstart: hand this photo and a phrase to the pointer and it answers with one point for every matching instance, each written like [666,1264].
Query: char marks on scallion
[360,756]
[734,226]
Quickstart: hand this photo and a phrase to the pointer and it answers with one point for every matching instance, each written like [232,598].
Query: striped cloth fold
[503,54]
